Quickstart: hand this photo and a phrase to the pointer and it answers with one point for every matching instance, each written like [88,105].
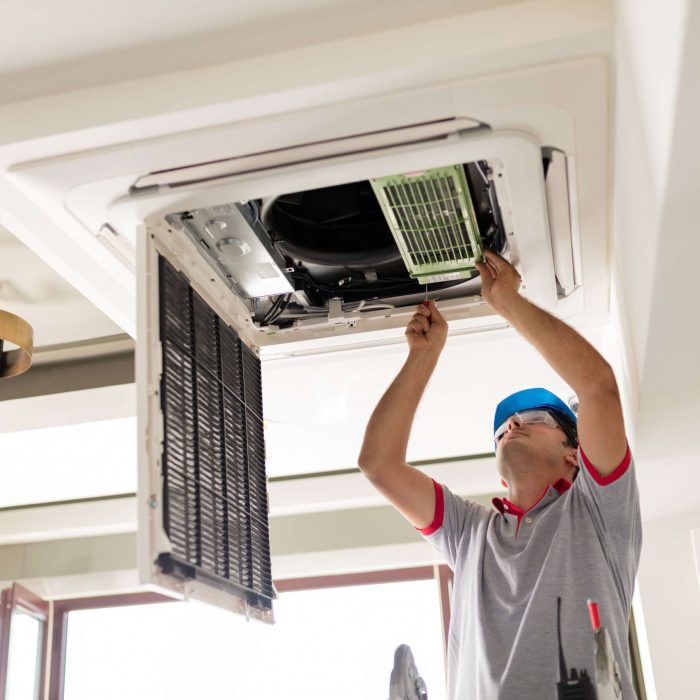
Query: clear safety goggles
[533,416]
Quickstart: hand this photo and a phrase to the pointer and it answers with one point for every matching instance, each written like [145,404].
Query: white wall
[670,596]
[656,246]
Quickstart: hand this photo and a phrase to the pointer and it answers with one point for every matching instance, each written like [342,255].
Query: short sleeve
[453,524]
[613,503]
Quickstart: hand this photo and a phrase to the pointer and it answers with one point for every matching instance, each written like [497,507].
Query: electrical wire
[482,173]
[272,310]
[282,308]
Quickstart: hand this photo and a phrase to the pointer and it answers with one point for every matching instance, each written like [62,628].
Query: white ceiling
[101,42]
[30,289]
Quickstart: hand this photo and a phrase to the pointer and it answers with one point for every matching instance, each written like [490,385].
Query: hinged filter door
[203,512]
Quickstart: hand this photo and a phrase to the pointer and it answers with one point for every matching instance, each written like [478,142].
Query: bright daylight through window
[24,659]
[328,643]
[68,462]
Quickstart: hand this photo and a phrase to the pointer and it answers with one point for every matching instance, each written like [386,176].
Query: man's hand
[427,330]
[500,281]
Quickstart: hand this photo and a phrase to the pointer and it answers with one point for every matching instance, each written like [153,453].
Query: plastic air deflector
[214,482]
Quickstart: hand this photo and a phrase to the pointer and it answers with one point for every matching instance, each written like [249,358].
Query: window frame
[16,597]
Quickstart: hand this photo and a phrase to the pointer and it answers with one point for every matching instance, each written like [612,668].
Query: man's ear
[571,458]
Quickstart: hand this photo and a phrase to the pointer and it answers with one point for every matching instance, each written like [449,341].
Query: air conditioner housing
[198,219]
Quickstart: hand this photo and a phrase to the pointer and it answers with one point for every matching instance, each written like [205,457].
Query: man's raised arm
[383,455]
[601,429]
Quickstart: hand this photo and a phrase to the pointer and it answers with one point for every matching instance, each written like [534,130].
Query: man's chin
[514,452]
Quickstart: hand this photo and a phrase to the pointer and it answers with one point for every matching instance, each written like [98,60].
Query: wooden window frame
[19,598]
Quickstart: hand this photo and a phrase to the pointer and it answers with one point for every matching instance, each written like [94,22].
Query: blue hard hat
[528,399]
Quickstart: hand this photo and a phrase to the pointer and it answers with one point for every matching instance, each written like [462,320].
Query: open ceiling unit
[343,238]
[302,232]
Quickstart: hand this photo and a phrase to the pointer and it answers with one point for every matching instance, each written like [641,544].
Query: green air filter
[431,217]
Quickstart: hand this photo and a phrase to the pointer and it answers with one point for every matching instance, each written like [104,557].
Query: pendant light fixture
[19,334]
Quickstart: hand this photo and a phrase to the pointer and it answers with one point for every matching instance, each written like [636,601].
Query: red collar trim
[562,485]
[503,505]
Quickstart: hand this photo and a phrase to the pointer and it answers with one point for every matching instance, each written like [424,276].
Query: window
[334,642]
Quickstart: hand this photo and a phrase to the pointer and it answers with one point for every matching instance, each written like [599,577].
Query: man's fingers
[423,322]
[425,316]
[418,324]
[487,277]
[423,310]
[496,263]
[495,260]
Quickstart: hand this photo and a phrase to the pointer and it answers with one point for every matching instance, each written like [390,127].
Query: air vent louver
[215,491]
[432,219]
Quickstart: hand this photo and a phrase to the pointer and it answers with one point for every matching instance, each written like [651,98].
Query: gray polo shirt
[579,541]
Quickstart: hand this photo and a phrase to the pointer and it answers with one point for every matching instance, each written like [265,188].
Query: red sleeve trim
[614,475]
[439,512]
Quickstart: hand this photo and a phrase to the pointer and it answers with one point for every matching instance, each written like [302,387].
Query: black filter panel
[215,487]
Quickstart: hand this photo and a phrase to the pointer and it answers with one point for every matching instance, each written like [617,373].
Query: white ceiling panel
[101,42]
[57,312]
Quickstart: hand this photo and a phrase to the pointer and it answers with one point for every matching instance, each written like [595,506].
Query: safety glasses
[533,416]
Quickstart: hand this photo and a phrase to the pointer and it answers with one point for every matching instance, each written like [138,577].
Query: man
[569,528]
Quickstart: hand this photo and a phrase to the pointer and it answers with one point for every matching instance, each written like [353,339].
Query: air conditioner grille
[432,218]
[215,489]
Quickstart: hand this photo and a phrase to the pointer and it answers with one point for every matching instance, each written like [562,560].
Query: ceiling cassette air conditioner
[345,238]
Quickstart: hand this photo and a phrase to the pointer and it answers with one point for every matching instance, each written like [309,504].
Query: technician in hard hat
[570,526]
